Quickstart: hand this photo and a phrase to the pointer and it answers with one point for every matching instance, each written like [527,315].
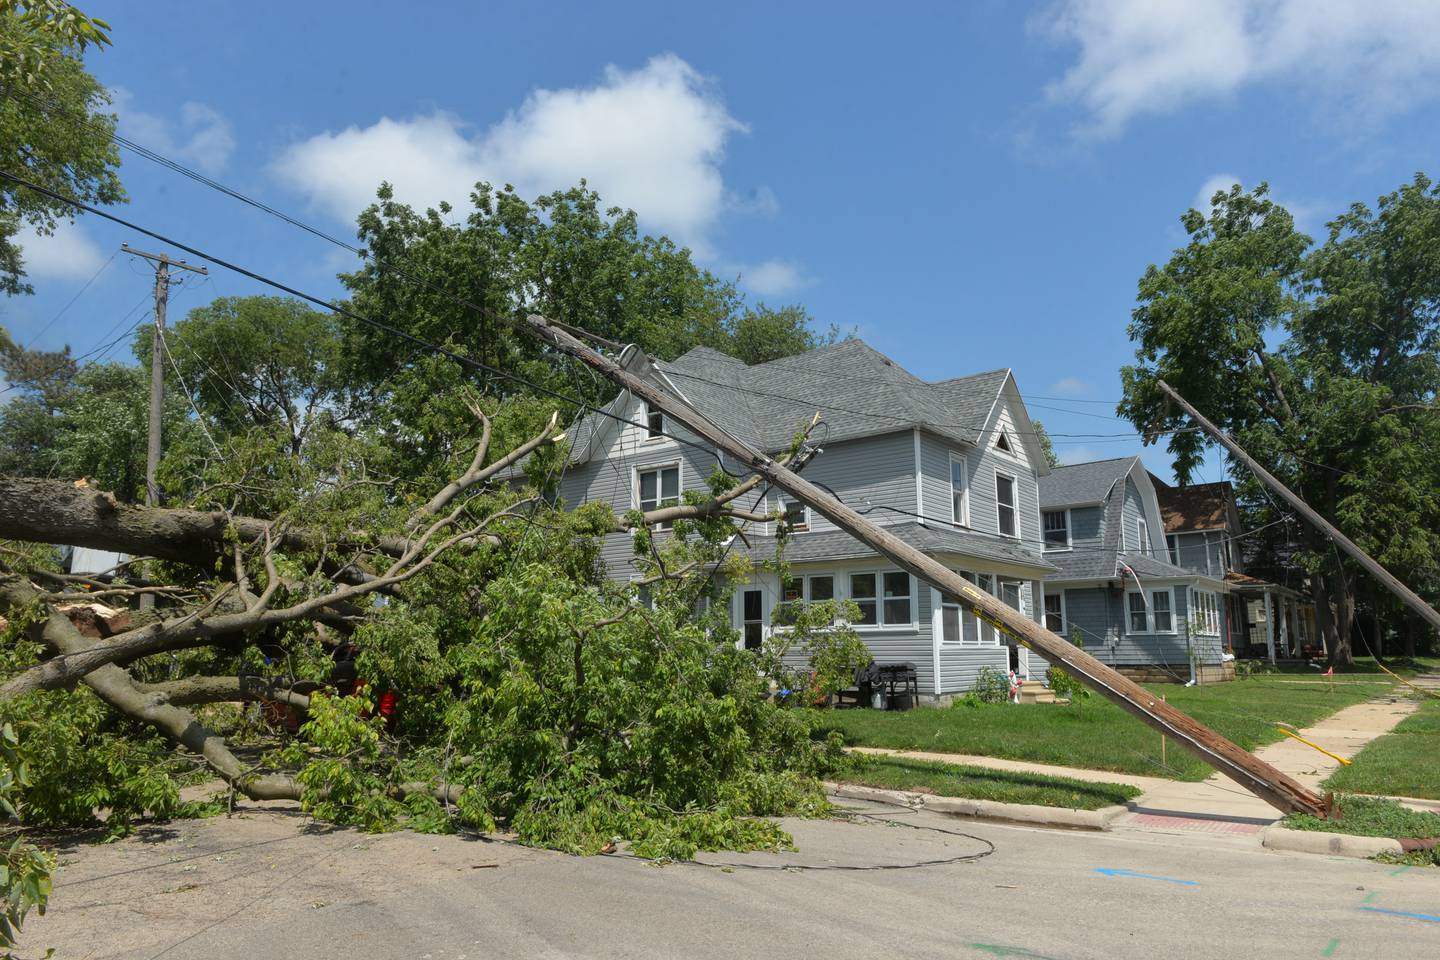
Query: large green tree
[55,128]
[1319,360]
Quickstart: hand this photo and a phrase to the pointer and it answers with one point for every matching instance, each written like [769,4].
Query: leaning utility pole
[1386,578]
[1243,767]
[157,374]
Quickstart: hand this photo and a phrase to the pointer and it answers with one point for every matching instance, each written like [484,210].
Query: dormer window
[654,423]
[796,516]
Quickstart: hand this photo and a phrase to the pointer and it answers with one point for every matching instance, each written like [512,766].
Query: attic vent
[1002,442]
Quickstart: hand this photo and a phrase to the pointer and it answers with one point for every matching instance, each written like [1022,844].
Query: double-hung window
[1055,613]
[802,590]
[658,487]
[1057,529]
[796,515]
[959,493]
[1158,616]
[1005,509]
[884,598]
[654,423]
[1139,616]
[1164,616]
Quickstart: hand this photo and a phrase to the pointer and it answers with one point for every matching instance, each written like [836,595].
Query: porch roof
[839,545]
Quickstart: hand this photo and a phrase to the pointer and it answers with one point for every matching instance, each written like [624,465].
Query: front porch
[1270,621]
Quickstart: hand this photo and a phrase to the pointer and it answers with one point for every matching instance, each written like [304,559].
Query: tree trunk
[1344,591]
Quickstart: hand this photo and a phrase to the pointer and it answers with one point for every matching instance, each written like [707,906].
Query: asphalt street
[265,885]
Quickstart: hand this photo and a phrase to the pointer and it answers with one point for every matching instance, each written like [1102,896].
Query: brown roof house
[1203,533]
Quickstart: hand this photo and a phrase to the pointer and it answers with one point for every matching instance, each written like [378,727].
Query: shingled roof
[1083,483]
[857,390]
[839,545]
[1198,506]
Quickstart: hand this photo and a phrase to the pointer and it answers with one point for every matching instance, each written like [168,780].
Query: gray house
[1117,587]
[951,467]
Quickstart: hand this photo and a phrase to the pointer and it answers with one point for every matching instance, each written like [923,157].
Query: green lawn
[1403,763]
[1370,817]
[979,783]
[1099,735]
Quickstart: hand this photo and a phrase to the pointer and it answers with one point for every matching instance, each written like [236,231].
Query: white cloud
[650,139]
[1069,455]
[201,135]
[66,254]
[1141,57]
[1070,387]
[774,278]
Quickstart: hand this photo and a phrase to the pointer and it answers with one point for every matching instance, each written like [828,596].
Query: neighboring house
[1203,534]
[950,467]
[1131,606]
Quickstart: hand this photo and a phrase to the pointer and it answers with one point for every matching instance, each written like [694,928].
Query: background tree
[1321,362]
[54,128]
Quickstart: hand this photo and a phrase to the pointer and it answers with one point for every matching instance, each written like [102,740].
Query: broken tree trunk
[1243,767]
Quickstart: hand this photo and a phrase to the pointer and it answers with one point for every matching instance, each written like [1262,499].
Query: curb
[1026,813]
[1333,844]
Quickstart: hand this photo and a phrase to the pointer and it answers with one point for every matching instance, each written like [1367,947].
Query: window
[959,494]
[654,423]
[1055,613]
[1139,616]
[752,618]
[1005,512]
[1164,617]
[952,616]
[1057,529]
[960,626]
[796,516]
[1002,442]
[658,487]
[1010,593]
[884,599]
[1174,546]
[800,590]
[1142,535]
[897,597]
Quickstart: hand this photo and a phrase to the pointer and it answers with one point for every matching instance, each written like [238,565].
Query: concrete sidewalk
[1218,805]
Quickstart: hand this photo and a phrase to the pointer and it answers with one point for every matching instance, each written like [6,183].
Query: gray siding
[1201,552]
[960,666]
[879,470]
[1101,616]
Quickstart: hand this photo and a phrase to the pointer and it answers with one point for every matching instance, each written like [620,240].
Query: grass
[979,783]
[1370,817]
[1099,735]
[1405,762]
[1404,666]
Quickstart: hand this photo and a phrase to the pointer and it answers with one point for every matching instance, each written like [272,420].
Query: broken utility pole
[1243,767]
[157,375]
[1386,578]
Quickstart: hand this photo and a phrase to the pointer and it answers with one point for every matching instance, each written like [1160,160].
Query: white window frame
[964,519]
[1014,505]
[880,621]
[648,414]
[1014,452]
[1146,595]
[985,635]
[1069,537]
[635,473]
[807,593]
[1142,534]
[804,525]
[1064,616]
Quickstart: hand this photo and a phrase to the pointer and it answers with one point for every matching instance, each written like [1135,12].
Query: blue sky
[968,186]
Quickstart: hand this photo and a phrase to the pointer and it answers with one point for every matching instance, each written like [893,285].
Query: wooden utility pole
[1388,579]
[157,374]
[1244,768]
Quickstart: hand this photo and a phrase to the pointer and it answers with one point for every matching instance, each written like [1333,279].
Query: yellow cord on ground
[1428,693]
[1292,733]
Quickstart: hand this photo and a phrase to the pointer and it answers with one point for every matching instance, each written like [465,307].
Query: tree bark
[54,511]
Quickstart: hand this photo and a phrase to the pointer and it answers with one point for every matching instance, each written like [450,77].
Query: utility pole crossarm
[1409,597]
[1244,768]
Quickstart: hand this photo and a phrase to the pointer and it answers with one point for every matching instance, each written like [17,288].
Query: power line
[342,311]
[51,322]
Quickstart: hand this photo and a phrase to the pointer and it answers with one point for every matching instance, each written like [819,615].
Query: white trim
[964,519]
[919,480]
[638,469]
[1142,537]
[1014,505]
[880,625]
[937,628]
[1064,614]
[1146,595]
[1045,544]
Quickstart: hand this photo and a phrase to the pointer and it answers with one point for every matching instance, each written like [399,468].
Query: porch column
[1285,644]
[937,631]
[1269,627]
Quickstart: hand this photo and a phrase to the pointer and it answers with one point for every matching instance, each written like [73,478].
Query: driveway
[263,885]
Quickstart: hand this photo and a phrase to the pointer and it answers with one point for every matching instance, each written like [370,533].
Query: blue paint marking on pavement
[1114,872]
[1404,913]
